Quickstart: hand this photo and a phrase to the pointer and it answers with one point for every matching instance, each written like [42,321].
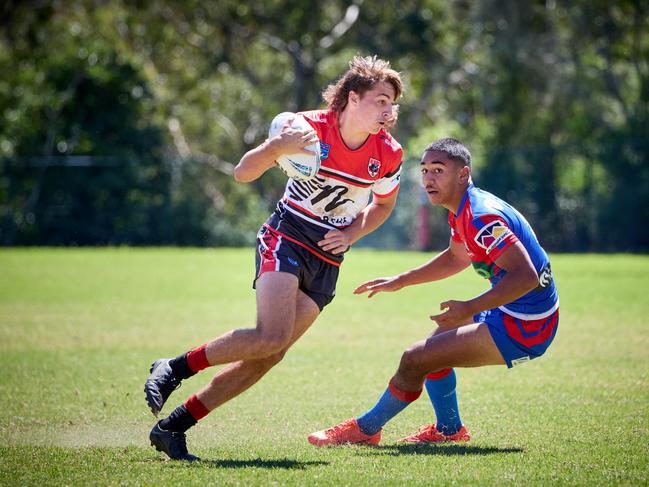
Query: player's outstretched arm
[257,161]
[520,278]
[451,261]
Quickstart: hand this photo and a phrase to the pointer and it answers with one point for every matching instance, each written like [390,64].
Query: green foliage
[81,326]
[121,122]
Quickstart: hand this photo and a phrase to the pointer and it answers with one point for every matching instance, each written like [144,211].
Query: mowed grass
[79,328]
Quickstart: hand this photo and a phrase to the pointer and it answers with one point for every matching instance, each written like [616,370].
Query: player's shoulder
[484,203]
[389,144]
[317,117]
[477,209]
[389,150]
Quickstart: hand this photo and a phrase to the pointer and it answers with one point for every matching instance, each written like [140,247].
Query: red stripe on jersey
[403,396]
[341,177]
[306,212]
[297,242]
[301,209]
[313,216]
[532,332]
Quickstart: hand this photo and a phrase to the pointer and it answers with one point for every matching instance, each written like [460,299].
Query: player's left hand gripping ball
[300,166]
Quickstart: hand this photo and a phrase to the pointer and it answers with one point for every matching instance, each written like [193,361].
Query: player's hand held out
[457,313]
[387,284]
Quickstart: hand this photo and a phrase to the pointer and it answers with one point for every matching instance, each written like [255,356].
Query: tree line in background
[120,121]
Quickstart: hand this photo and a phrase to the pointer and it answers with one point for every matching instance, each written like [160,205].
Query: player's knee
[273,344]
[272,360]
[263,365]
[410,361]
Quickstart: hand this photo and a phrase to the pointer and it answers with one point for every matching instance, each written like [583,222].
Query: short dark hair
[363,74]
[455,150]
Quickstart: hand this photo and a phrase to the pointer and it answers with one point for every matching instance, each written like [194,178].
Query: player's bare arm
[257,161]
[520,278]
[338,241]
[447,263]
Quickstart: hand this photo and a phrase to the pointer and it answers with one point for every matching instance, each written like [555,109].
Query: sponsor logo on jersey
[373,166]
[491,235]
[324,150]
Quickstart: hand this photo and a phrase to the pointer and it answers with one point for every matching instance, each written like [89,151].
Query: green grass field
[79,328]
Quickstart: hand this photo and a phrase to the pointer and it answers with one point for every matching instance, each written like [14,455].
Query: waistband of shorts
[304,246]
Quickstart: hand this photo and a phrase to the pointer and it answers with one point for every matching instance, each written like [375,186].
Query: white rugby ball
[300,167]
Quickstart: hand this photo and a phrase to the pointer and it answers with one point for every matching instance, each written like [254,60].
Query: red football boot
[345,433]
[429,434]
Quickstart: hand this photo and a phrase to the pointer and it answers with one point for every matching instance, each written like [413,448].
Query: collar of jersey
[464,198]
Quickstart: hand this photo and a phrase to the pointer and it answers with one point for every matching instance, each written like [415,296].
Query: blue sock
[441,390]
[391,403]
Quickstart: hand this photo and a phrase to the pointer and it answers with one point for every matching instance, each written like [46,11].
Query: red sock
[403,396]
[196,408]
[197,359]
[439,374]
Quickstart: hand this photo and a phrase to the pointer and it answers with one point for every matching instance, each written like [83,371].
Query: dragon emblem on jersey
[315,190]
[492,234]
[373,167]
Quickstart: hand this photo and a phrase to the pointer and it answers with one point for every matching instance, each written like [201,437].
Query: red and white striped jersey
[343,186]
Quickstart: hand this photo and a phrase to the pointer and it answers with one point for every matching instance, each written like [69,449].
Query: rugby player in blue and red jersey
[511,323]
[301,245]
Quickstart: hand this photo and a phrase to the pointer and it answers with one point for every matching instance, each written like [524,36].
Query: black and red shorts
[279,253]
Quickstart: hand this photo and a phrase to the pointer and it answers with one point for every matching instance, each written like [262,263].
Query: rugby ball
[300,167]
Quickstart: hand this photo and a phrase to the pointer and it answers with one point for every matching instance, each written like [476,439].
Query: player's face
[443,179]
[375,108]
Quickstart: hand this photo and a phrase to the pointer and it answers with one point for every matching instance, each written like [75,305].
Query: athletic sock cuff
[196,408]
[197,359]
[439,374]
[403,396]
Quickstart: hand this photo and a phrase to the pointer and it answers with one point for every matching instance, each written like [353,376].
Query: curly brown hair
[364,72]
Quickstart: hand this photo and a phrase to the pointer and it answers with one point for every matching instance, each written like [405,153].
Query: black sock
[179,420]
[180,367]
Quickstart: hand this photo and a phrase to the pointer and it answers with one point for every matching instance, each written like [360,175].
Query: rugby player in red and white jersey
[301,245]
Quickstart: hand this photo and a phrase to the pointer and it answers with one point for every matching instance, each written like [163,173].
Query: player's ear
[465,174]
[353,98]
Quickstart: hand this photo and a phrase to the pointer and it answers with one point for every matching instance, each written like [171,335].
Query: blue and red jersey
[488,226]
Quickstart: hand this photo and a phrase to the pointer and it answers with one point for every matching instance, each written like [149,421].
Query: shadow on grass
[284,463]
[448,450]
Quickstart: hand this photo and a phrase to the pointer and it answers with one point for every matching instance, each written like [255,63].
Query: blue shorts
[277,253]
[518,340]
